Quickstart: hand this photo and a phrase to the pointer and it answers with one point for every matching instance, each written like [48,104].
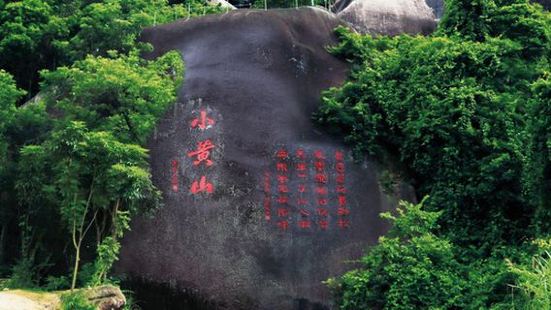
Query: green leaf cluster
[36,34]
[463,115]
[73,167]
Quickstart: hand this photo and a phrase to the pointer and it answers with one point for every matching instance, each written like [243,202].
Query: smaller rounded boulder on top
[387,17]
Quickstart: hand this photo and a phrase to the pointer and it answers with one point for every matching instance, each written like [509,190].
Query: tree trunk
[114,220]
[77,261]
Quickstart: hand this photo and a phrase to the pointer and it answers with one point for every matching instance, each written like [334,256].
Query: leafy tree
[9,94]
[538,168]
[86,173]
[410,268]
[101,84]
[28,30]
[436,105]
[123,95]
[36,35]
[90,169]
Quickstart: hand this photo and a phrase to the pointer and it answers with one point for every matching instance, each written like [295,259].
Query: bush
[410,268]
[75,301]
[533,282]
[464,115]
[455,113]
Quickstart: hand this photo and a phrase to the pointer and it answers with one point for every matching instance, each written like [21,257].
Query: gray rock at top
[258,75]
[437,7]
[387,17]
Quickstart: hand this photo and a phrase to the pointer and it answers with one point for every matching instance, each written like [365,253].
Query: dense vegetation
[73,167]
[464,115]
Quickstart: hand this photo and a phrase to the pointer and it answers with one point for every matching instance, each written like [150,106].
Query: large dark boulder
[279,204]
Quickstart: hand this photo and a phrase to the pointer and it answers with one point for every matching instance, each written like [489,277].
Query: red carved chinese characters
[202,154]
[321,179]
[343,221]
[282,170]
[202,186]
[307,191]
[301,169]
[202,122]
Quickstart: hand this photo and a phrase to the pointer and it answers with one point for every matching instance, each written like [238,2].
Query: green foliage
[75,301]
[17,124]
[534,281]
[447,132]
[37,34]
[89,175]
[517,20]
[130,301]
[124,95]
[89,170]
[57,283]
[415,268]
[464,115]
[27,40]
[451,112]
[23,275]
[538,169]
[409,268]
[9,94]
[83,170]
[108,253]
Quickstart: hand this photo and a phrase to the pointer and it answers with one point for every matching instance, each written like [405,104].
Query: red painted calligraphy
[323,224]
[202,153]
[202,122]
[282,154]
[283,224]
[282,212]
[343,223]
[321,178]
[342,211]
[322,212]
[313,197]
[304,224]
[283,190]
[202,186]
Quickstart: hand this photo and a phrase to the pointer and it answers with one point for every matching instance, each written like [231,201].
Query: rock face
[106,297]
[387,17]
[27,300]
[261,205]
[437,7]
[223,3]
